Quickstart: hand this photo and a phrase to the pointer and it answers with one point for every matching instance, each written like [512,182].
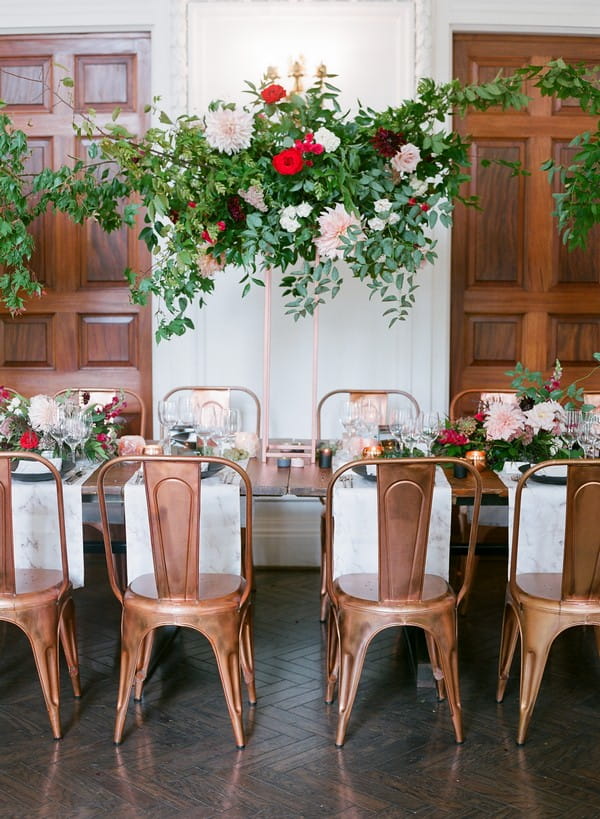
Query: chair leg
[508,644]
[436,668]
[323,591]
[352,650]
[43,637]
[536,640]
[225,642]
[69,643]
[132,637]
[142,664]
[447,651]
[247,653]
[597,634]
[333,658]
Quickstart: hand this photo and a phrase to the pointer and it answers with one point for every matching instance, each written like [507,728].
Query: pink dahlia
[504,421]
[334,224]
[229,130]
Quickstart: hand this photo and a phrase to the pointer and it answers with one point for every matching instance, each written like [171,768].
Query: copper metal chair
[177,592]
[39,601]
[235,397]
[382,399]
[132,417]
[466,402]
[401,593]
[539,606]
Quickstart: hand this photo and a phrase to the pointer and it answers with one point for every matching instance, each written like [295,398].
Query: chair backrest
[328,420]
[405,489]
[132,419]
[581,550]
[173,491]
[235,397]
[7,545]
[468,402]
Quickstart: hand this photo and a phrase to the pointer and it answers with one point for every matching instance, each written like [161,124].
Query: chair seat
[364,587]
[43,583]
[224,589]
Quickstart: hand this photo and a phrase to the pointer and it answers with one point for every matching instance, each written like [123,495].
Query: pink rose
[406,159]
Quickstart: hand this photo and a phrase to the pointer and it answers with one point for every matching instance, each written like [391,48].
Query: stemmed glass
[367,425]
[58,428]
[205,425]
[77,429]
[587,434]
[168,415]
[431,425]
[570,425]
[400,420]
[230,426]
[349,417]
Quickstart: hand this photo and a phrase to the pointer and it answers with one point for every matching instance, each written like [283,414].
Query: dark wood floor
[179,758]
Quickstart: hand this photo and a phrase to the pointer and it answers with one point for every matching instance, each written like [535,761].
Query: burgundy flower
[386,142]
[236,209]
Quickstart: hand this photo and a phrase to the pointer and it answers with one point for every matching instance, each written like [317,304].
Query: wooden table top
[309,481]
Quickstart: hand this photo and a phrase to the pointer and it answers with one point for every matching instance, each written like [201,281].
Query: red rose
[288,162]
[273,93]
[29,440]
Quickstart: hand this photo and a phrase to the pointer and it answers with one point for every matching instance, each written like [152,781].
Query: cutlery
[72,476]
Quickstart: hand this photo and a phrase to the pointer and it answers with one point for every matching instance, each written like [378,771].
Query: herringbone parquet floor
[179,758]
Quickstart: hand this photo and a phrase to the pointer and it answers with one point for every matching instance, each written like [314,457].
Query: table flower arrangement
[528,427]
[31,424]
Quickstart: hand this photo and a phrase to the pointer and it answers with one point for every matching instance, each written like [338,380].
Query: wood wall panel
[24,83]
[496,251]
[574,338]
[517,293]
[104,82]
[27,342]
[578,266]
[85,328]
[108,341]
[492,340]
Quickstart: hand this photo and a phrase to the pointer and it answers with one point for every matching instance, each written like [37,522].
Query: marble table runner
[355,530]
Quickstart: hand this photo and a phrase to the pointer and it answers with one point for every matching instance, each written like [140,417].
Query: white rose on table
[247,441]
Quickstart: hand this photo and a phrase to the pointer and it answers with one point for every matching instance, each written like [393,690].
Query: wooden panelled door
[517,293]
[84,331]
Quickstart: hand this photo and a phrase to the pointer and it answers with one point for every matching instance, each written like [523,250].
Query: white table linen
[542,525]
[355,527]
[35,526]
[220,524]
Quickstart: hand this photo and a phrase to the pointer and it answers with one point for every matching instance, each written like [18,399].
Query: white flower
[406,159]
[381,259]
[42,412]
[382,205]
[323,136]
[289,224]
[393,218]
[376,223]
[229,130]
[545,416]
[98,407]
[419,186]
[289,212]
[304,209]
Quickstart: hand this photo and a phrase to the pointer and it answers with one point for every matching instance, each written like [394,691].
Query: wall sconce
[297,70]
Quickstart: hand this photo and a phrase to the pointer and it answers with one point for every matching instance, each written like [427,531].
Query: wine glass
[77,429]
[587,434]
[168,415]
[349,417]
[431,425]
[399,421]
[570,425]
[186,411]
[57,428]
[205,424]
[231,424]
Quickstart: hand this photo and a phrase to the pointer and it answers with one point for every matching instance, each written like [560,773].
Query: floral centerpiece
[528,427]
[31,424]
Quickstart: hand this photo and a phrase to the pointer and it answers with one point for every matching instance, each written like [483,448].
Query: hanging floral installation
[287,182]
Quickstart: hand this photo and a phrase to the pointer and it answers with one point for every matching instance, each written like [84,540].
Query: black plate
[212,470]
[34,477]
[557,480]
[361,470]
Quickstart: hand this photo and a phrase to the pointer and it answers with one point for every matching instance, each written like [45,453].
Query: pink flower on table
[504,422]
[547,415]
[334,224]
[43,412]
[406,159]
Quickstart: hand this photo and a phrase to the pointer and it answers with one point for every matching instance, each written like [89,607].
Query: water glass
[168,415]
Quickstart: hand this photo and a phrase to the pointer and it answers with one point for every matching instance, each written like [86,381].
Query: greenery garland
[288,182]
